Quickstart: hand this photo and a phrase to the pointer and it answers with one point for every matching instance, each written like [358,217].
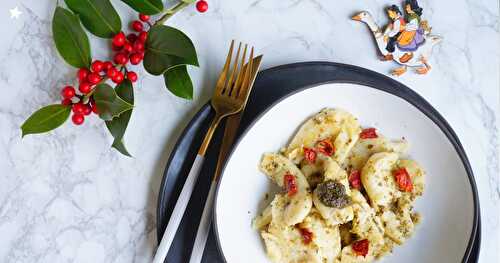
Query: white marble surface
[68,197]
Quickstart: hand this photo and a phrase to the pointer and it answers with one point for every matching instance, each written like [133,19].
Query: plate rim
[403,92]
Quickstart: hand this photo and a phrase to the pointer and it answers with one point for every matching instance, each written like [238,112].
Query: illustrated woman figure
[413,35]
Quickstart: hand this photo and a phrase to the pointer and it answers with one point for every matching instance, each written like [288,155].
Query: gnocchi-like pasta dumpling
[347,193]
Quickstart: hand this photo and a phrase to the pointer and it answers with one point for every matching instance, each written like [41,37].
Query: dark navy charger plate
[270,86]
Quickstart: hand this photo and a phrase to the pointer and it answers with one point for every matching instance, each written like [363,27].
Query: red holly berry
[121,58]
[143,17]
[87,110]
[115,48]
[68,92]
[82,74]
[119,39]
[78,108]
[132,76]
[94,108]
[143,36]
[97,66]
[107,65]
[111,72]
[66,102]
[128,48]
[118,78]
[85,87]
[135,58]
[137,25]
[131,37]
[78,119]
[139,46]
[202,6]
[93,78]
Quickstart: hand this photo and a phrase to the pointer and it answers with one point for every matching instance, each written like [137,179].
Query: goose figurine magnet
[406,39]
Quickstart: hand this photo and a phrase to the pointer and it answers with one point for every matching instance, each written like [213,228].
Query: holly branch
[163,50]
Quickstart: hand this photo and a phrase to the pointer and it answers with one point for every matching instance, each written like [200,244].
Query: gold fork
[231,127]
[229,98]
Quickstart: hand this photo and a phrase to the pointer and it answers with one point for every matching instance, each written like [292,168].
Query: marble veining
[67,197]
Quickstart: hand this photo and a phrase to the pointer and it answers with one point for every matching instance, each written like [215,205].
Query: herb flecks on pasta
[347,193]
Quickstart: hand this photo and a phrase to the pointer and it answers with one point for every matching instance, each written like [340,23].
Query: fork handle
[210,132]
[204,227]
[179,209]
[187,191]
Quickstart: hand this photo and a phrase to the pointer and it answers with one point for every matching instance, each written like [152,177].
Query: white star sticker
[14,13]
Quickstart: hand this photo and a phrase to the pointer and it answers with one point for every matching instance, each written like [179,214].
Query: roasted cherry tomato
[307,235]
[325,147]
[355,179]
[290,184]
[310,155]
[403,180]
[360,247]
[369,133]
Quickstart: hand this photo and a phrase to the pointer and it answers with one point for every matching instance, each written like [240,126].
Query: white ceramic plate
[447,206]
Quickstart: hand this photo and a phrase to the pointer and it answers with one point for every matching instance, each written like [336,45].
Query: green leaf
[167,47]
[46,119]
[98,16]
[125,91]
[189,1]
[71,41]
[120,146]
[108,103]
[147,7]
[178,82]
[118,125]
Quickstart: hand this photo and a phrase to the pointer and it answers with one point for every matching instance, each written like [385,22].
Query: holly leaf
[70,39]
[108,103]
[189,1]
[177,80]
[166,48]
[147,7]
[98,16]
[120,146]
[118,125]
[46,119]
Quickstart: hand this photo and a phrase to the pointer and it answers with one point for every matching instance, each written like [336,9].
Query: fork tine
[222,78]
[245,86]
[241,73]
[229,84]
